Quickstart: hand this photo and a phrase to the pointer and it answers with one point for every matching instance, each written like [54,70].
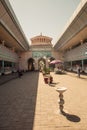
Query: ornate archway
[41,63]
[31,64]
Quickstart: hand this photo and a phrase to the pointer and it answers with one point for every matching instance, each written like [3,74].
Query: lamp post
[61,101]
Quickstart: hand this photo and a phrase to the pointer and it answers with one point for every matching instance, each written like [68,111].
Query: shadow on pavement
[70,117]
[18,102]
[83,78]
[6,78]
[53,84]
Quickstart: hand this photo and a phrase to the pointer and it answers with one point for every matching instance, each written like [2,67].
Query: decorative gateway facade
[40,50]
[41,47]
[12,39]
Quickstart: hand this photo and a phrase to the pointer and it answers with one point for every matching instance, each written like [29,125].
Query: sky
[48,17]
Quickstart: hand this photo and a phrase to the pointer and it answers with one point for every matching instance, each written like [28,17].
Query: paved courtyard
[28,103]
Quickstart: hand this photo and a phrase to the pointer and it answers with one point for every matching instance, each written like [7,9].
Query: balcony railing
[6,53]
[76,54]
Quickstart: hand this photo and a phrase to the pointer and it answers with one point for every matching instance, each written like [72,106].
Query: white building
[73,41]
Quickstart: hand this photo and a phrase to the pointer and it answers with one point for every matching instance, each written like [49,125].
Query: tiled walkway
[28,103]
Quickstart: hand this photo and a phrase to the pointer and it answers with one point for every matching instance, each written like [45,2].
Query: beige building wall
[57,54]
[23,60]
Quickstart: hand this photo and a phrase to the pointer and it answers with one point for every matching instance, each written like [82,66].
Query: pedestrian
[19,73]
[78,71]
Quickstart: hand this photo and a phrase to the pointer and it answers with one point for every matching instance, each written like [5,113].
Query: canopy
[56,62]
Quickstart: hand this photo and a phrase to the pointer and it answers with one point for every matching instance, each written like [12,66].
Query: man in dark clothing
[78,71]
[19,73]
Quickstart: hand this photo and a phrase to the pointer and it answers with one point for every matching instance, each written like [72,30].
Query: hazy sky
[48,17]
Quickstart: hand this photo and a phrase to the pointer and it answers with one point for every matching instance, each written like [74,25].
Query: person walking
[19,73]
[78,70]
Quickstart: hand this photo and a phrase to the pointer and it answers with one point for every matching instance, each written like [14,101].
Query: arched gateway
[31,64]
[41,63]
[40,51]
[41,47]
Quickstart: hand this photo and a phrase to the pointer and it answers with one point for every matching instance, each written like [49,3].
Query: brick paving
[28,103]
[6,78]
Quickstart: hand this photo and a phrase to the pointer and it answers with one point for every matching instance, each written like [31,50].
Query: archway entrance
[31,64]
[41,63]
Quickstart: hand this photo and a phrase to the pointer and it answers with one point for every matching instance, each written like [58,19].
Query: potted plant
[47,76]
[46,70]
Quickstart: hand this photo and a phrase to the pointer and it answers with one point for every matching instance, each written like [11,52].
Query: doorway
[31,64]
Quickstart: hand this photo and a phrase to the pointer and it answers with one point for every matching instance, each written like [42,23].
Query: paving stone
[30,104]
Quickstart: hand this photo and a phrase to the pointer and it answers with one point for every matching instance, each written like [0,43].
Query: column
[71,66]
[82,65]
[2,66]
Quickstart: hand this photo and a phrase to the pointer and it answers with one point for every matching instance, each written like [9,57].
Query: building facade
[73,41]
[16,53]
[12,39]
[40,50]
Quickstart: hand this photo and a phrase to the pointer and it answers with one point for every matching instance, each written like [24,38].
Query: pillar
[2,66]
[82,65]
[71,66]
